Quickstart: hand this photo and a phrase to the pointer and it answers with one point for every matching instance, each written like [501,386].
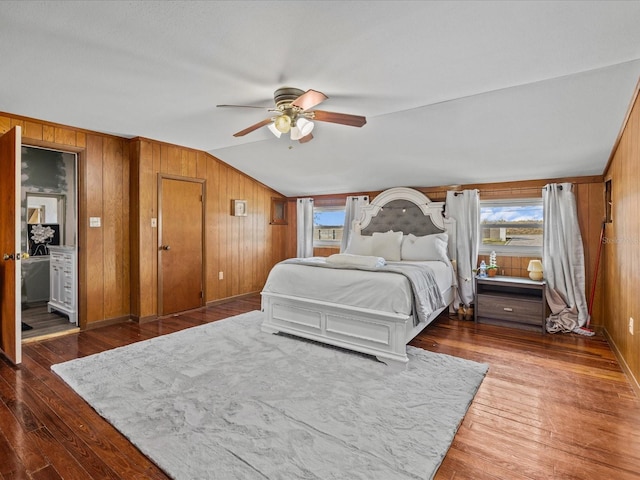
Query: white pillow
[357,260]
[359,245]
[387,245]
[429,247]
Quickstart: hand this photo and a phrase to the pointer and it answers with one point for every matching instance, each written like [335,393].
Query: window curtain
[464,207]
[563,260]
[304,216]
[352,211]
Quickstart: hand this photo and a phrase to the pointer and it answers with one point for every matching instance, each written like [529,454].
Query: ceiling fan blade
[309,99]
[341,118]
[307,138]
[242,106]
[250,129]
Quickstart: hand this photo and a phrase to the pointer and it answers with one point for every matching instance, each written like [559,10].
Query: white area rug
[227,401]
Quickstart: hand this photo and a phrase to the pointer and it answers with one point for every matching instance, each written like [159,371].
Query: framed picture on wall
[40,236]
[239,208]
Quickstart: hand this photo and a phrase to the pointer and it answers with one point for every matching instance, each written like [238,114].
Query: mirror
[45,222]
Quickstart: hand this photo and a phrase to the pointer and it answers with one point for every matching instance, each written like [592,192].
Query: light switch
[94,222]
[154,222]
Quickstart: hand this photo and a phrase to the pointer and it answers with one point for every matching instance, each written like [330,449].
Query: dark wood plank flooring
[551,407]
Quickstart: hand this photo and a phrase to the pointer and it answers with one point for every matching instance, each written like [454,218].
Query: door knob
[17,256]
[165,247]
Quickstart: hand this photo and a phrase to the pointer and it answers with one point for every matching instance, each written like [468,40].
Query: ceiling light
[301,129]
[295,133]
[305,126]
[274,130]
[283,123]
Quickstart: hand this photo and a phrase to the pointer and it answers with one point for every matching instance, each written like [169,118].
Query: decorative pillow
[359,245]
[356,260]
[429,247]
[387,245]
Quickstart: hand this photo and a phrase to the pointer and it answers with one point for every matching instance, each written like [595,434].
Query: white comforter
[384,291]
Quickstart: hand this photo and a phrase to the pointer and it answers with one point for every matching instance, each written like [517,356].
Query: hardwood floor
[44,324]
[552,407]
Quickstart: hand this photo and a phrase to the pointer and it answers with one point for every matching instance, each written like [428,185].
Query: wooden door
[180,239]
[10,272]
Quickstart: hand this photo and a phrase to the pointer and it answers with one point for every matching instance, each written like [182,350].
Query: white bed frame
[381,334]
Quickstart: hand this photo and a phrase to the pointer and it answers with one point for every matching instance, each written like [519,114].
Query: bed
[352,301]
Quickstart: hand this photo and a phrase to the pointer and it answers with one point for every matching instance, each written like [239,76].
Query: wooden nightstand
[511,301]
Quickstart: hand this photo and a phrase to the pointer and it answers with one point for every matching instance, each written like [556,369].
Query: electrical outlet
[631,325]
[220,275]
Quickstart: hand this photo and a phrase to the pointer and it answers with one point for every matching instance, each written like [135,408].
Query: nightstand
[511,301]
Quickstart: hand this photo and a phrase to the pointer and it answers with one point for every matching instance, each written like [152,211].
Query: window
[328,224]
[511,227]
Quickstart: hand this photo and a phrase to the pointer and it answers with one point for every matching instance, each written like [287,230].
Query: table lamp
[535,270]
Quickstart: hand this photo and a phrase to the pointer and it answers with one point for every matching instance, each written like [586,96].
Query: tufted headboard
[408,211]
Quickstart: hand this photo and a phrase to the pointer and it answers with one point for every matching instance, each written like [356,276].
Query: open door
[10,274]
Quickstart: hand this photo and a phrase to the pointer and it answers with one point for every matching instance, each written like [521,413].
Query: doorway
[49,225]
[180,244]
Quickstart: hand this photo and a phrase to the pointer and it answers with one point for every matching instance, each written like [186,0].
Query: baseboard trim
[152,318]
[231,299]
[623,363]
[147,319]
[106,322]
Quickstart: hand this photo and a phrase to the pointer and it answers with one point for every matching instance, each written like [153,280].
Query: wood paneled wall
[589,193]
[103,191]
[117,182]
[243,248]
[622,248]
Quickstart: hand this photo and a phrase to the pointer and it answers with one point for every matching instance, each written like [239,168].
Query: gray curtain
[352,211]
[563,260]
[304,215]
[464,207]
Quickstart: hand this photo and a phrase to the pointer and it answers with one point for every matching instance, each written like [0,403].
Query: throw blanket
[427,297]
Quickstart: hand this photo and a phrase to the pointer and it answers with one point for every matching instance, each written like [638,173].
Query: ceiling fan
[293,114]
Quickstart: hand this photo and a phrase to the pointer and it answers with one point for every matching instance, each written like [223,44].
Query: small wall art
[239,208]
[40,236]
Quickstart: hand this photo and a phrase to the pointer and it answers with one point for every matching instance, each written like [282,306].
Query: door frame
[80,207]
[203,182]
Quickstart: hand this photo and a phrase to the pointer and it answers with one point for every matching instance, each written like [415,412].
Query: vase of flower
[492,269]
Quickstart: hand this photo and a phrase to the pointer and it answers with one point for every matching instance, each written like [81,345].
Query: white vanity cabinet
[63,281]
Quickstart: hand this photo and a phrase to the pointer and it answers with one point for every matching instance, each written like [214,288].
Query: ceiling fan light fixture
[274,130]
[295,133]
[305,126]
[283,123]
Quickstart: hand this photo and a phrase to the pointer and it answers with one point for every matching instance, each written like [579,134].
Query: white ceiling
[453,92]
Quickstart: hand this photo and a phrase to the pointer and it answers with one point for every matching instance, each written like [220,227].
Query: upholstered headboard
[408,211]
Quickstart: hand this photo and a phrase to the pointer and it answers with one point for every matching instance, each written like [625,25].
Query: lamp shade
[283,123]
[535,270]
[274,130]
[302,128]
